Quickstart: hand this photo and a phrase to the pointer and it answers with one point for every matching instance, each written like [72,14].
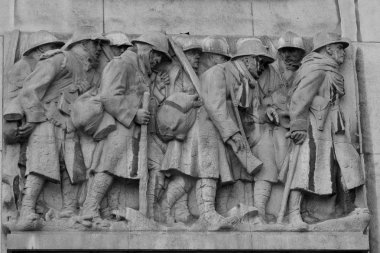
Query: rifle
[143,161]
[246,158]
[288,183]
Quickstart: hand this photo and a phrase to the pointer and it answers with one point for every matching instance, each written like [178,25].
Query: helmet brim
[266,57]
[28,51]
[71,43]
[342,41]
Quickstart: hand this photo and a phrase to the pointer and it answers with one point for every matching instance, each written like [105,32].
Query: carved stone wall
[355,19]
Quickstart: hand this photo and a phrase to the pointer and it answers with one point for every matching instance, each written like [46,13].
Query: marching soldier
[269,137]
[53,151]
[215,50]
[124,80]
[326,158]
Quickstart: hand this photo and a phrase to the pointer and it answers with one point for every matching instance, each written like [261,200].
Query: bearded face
[254,64]
[336,52]
[292,57]
[93,49]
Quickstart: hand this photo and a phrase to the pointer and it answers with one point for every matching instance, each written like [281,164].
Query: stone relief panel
[112,132]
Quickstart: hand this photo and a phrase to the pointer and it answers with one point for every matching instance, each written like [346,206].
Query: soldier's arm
[302,98]
[214,94]
[36,85]
[114,94]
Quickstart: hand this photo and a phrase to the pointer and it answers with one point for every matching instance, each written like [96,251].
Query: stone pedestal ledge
[188,240]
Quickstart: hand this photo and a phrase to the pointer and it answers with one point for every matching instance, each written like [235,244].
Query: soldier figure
[326,159]
[124,80]
[269,140]
[38,43]
[215,50]
[179,84]
[222,130]
[53,151]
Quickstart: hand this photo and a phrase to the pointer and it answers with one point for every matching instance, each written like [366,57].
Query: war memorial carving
[174,132]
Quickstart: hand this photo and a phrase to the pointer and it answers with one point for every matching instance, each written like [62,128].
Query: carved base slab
[337,241]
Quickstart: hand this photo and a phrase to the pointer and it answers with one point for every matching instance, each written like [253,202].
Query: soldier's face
[219,59]
[255,65]
[94,49]
[154,58]
[337,52]
[193,56]
[291,56]
[118,50]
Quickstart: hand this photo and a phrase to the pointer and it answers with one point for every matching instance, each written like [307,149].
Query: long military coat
[327,153]
[122,86]
[53,142]
[221,121]
[268,140]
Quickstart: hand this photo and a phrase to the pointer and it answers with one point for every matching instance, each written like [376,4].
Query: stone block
[303,17]
[197,17]
[6,16]
[369,92]
[348,19]
[173,240]
[57,16]
[369,20]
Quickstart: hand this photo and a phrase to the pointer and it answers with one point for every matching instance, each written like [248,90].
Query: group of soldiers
[283,112]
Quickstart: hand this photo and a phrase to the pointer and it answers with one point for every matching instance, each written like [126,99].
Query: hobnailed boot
[95,194]
[295,219]
[28,219]
[205,194]
[69,197]
[176,189]
[261,194]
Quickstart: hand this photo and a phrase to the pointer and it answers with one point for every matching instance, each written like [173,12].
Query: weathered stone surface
[57,16]
[6,16]
[189,240]
[369,20]
[369,90]
[303,17]
[348,19]
[368,76]
[197,17]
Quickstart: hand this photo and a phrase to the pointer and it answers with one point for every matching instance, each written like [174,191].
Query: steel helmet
[118,39]
[187,42]
[216,45]
[85,33]
[292,40]
[322,39]
[157,40]
[254,47]
[41,38]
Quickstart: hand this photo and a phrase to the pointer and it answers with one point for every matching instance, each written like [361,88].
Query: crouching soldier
[124,81]
[53,151]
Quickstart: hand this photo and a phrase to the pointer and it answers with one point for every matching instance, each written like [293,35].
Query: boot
[28,219]
[205,194]
[69,197]
[261,193]
[155,188]
[176,189]
[99,187]
[295,219]
[182,213]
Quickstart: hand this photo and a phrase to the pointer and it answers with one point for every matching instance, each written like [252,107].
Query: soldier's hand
[164,80]
[272,115]
[236,142]
[298,136]
[26,129]
[142,117]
